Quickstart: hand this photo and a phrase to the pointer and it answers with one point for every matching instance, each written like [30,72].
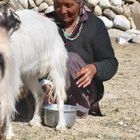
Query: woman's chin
[67,21]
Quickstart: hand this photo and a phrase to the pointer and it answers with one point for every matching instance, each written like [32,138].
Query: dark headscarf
[79,1]
[82,13]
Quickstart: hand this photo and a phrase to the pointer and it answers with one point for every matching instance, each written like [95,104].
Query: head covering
[79,0]
[3,2]
[82,13]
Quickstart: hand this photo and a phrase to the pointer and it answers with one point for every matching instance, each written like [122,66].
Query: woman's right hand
[85,75]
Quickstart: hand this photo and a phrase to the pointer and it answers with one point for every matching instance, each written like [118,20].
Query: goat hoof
[9,137]
[34,124]
[36,121]
[10,133]
[61,128]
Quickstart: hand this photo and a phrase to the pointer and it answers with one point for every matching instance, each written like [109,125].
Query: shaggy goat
[32,51]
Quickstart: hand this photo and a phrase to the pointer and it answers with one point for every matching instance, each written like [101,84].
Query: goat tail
[2,66]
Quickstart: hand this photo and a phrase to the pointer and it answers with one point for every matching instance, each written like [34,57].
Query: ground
[121,106]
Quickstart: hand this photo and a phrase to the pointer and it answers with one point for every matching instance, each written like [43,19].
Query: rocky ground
[121,106]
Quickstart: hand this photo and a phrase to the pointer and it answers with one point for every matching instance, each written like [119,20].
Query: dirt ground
[121,106]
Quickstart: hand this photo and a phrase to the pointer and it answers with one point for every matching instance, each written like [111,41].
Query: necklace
[68,36]
[76,36]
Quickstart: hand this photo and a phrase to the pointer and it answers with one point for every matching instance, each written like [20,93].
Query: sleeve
[105,60]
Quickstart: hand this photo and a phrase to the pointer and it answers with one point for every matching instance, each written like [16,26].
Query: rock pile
[121,14]
[131,35]
[116,14]
[44,6]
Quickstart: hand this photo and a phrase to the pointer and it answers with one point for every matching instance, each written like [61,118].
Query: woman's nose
[63,10]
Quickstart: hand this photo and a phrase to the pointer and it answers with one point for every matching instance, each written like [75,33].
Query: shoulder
[93,19]
[95,23]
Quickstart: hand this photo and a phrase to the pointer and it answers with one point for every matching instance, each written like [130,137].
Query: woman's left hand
[85,75]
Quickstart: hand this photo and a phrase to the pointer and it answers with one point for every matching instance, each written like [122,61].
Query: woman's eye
[68,5]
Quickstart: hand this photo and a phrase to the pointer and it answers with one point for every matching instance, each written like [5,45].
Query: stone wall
[121,14]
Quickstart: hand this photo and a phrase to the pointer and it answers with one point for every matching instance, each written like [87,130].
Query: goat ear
[2,66]
[10,32]
[13,21]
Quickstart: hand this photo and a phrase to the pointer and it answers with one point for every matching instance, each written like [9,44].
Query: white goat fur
[31,52]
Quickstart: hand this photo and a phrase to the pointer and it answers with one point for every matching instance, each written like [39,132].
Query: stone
[93,3]
[132,24]
[35,9]
[16,4]
[133,31]
[126,10]
[136,39]
[136,14]
[105,3]
[97,10]
[109,14]
[49,2]
[116,2]
[117,9]
[87,8]
[108,23]
[121,22]
[38,2]
[125,37]
[24,3]
[49,9]
[32,3]
[42,7]
[2,2]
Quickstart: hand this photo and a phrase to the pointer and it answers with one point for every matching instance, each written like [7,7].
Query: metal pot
[51,115]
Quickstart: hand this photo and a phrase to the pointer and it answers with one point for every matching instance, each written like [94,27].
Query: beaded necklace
[68,36]
[75,25]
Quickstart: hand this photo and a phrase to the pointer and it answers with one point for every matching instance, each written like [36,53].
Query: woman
[91,56]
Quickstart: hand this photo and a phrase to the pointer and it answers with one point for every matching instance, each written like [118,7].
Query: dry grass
[121,104]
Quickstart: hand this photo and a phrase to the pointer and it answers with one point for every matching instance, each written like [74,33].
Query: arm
[105,61]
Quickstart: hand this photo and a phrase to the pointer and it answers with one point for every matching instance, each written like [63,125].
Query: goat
[34,49]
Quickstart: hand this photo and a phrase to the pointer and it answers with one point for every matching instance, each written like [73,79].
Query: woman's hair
[79,1]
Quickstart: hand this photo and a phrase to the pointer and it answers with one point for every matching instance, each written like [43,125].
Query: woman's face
[67,10]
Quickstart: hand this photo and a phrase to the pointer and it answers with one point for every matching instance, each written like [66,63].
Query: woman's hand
[85,75]
[48,89]
[48,100]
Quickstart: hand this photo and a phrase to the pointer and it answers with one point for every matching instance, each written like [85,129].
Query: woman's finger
[84,81]
[87,83]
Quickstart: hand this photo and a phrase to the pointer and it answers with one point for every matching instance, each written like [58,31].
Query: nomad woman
[91,56]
